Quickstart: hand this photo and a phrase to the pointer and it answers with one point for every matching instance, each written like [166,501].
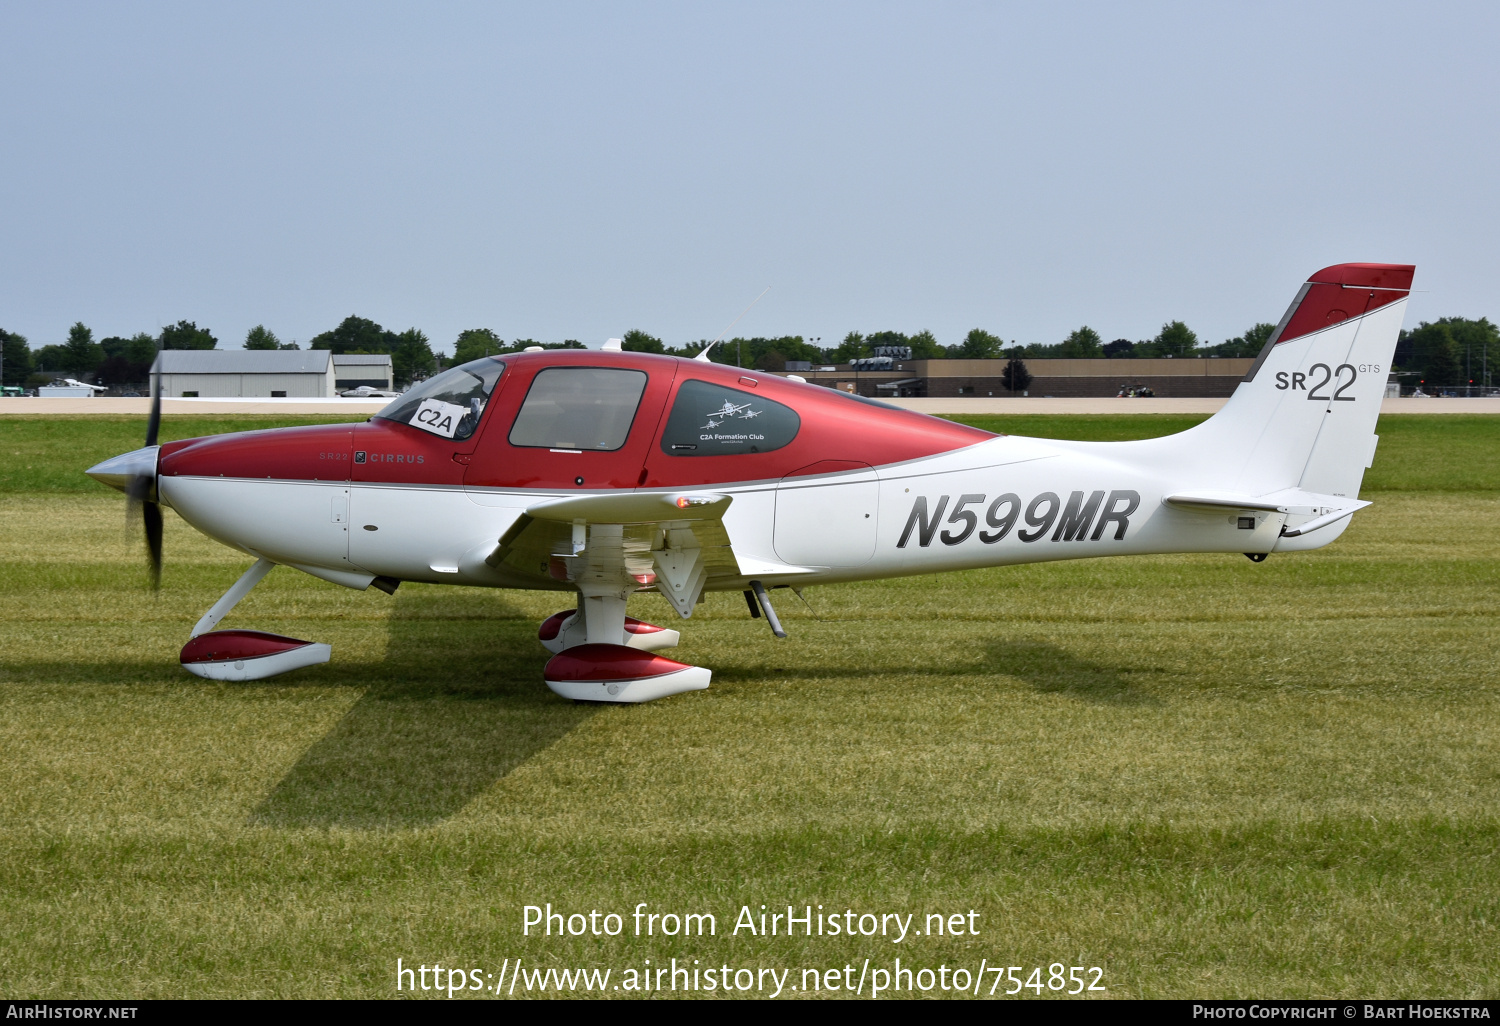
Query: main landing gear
[602,655]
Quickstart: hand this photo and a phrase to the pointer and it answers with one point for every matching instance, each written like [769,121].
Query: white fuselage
[985,505]
[1004,500]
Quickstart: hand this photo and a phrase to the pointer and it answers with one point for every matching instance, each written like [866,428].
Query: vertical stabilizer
[1304,416]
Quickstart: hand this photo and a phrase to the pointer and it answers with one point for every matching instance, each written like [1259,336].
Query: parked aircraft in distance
[368,392]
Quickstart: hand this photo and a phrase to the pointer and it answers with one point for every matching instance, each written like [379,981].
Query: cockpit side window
[710,420]
[585,408]
[448,404]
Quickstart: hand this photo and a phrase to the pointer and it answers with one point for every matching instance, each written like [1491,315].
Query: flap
[613,536]
[631,507]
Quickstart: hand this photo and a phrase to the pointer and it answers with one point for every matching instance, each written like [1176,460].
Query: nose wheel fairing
[249,655]
[245,654]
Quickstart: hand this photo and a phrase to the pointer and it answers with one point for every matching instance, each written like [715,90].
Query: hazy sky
[556,170]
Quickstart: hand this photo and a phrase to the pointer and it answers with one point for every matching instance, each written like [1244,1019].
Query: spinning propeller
[134,473]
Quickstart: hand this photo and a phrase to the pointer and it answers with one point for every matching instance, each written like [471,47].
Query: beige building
[1197,377]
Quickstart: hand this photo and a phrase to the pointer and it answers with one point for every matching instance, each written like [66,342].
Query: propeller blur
[134,473]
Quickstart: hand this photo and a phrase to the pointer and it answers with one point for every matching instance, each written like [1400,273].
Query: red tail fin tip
[1343,291]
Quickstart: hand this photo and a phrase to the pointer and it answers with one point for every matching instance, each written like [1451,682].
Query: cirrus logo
[387,457]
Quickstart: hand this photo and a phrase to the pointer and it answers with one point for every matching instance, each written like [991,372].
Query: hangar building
[291,373]
[356,369]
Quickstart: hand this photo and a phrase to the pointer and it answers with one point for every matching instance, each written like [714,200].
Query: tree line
[1175,339]
[1449,351]
[112,361]
[118,360]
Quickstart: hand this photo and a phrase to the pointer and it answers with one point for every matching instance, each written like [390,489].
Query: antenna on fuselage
[704,354]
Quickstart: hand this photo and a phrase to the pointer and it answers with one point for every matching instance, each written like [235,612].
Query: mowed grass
[1207,777]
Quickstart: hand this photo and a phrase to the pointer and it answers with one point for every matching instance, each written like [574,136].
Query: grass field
[1205,776]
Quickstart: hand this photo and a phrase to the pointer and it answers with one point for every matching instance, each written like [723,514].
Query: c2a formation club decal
[1072,519]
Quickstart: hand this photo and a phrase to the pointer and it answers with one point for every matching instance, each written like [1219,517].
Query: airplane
[368,392]
[733,409]
[588,473]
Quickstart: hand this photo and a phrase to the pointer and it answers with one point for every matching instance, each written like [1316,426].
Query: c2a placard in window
[710,420]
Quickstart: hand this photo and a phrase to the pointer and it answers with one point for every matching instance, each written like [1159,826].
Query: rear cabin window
[710,420]
[579,408]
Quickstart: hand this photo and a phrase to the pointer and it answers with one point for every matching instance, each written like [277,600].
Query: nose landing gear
[243,654]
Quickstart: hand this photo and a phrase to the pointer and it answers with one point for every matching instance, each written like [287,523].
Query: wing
[674,541]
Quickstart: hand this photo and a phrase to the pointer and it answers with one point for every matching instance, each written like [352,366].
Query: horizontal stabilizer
[1217,502]
[1324,510]
[1318,523]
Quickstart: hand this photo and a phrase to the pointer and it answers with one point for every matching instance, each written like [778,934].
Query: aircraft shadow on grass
[1045,667]
[1053,670]
[453,708]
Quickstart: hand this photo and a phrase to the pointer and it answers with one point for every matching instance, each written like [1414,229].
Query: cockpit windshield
[451,403]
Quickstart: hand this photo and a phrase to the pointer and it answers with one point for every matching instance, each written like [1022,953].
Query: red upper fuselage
[836,432]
